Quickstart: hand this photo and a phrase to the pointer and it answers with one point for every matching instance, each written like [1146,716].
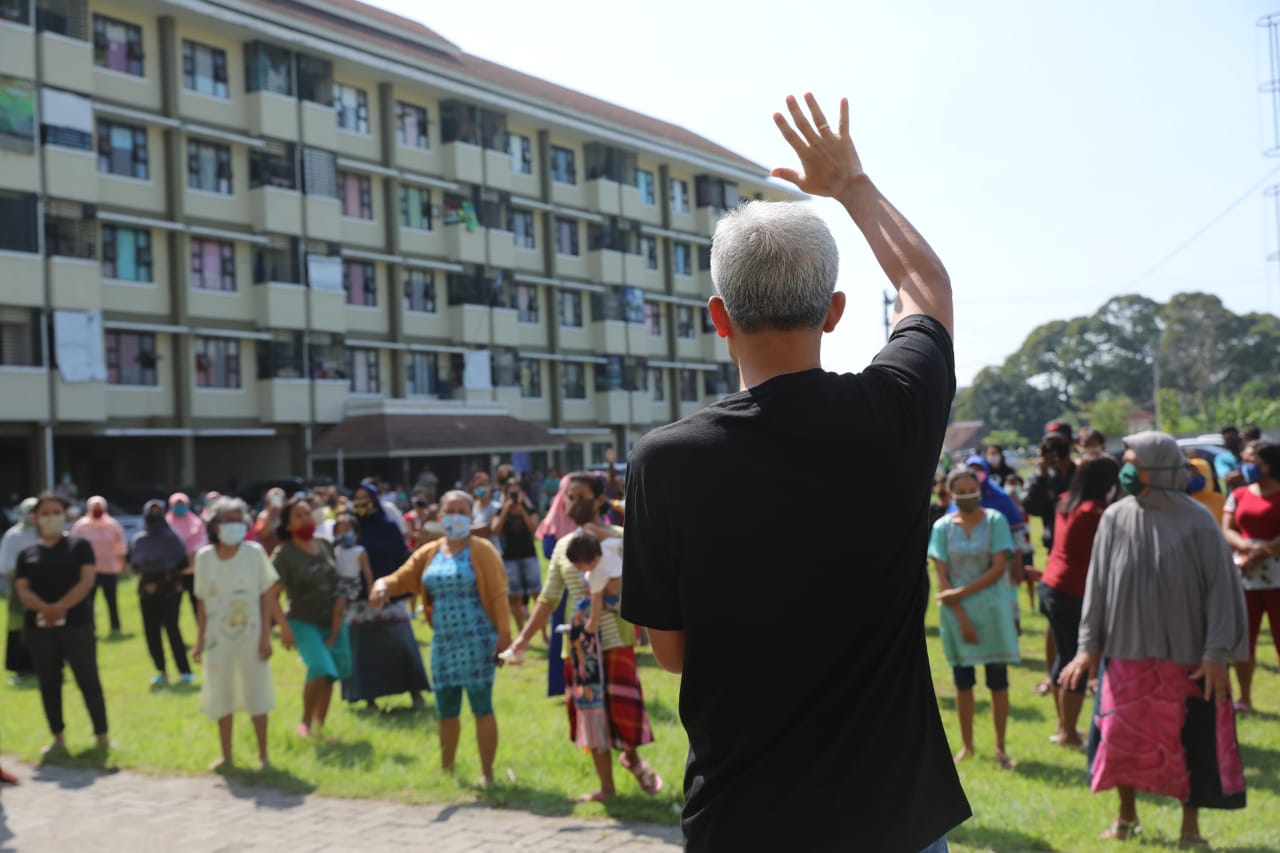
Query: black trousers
[108,583]
[189,584]
[160,616]
[53,648]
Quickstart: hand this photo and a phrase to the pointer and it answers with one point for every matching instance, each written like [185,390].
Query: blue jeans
[939,846]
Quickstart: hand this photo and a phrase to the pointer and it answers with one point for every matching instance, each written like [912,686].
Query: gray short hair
[775,265]
[458,495]
[225,504]
[958,474]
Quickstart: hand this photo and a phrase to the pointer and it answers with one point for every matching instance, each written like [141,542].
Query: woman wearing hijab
[191,530]
[1163,617]
[384,652]
[16,540]
[159,558]
[555,525]
[106,536]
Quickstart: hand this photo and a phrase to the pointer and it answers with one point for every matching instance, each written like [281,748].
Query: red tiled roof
[499,77]
[962,435]
[378,436]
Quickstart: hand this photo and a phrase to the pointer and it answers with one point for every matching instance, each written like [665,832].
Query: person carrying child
[586,664]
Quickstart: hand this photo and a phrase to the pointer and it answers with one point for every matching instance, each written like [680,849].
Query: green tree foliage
[1214,367]
[1005,438]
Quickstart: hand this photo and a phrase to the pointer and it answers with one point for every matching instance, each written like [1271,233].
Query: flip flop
[1194,842]
[650,781]
[1121,831]
[593,797]
[7,778]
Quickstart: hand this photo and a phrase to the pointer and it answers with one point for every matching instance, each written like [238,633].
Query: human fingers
[789,133]
[800,120]
[844,118]
[819,118]
[789,175]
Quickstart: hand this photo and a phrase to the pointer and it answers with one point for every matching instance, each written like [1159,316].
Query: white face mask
[318,516]
[232,532]
[51,525]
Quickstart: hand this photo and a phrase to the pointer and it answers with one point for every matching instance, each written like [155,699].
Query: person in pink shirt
[106,536]
[191,530]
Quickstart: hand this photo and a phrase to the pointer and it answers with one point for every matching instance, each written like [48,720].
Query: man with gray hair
[827,734]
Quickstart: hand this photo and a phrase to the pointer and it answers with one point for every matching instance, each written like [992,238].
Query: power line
[1200,232]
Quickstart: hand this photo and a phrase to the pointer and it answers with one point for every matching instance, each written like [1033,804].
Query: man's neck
[765,355]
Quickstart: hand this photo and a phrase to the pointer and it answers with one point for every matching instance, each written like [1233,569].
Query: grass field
[1044,804]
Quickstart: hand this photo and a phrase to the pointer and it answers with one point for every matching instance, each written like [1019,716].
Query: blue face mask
[1252,472]
[456,526]
[180,510]
[481,491]
[1196,483]
[347,540]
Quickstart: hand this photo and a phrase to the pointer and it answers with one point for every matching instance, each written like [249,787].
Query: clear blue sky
[1051,153]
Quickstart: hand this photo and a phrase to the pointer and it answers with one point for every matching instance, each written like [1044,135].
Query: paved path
[60,809]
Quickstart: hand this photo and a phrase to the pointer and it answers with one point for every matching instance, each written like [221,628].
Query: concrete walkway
[61,809]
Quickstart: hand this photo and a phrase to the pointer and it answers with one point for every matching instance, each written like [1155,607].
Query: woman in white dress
[238,593]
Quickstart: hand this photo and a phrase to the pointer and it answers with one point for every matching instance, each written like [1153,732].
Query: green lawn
[1042,805]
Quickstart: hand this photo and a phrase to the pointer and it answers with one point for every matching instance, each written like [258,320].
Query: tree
[1109,414]
[1006,438]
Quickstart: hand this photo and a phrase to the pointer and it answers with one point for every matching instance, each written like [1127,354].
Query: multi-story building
[242,238]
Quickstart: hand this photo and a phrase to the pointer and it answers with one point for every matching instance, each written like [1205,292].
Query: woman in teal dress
[970,549]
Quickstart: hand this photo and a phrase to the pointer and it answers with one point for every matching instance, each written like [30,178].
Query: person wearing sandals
[238,590]
[624,699]
[971,550]
[463,586]
[160,558]
[1163,616]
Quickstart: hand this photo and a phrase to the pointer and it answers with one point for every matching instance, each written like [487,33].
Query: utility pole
[1155,381]
[888,326]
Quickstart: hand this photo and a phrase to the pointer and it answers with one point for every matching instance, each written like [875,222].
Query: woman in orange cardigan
[463,585]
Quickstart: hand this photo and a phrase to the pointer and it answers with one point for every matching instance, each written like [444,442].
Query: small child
[352,563]
[600,561]
[587,553]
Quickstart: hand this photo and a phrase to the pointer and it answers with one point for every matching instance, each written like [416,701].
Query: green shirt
[564,576]
[310,581]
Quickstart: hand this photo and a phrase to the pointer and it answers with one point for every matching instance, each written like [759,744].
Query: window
[520,224]
[131,358]
[213,264]
[653,319]
[411,125]
[689,386]
[679,196]
[359,283]
[328,357]
[352,106]
[458,123]
[315,80]
[204,69]
[424,374]
[716,193]
[684,322]
[280,357]
[319,172]
[610,378]
[682,258]
[20,337]
[644,182]
[420,291]
[268,68]
[209,167]
[117,45]
[521,154]
[70,231]
[19,223]
[573,380]
[530,378]
[273,165]
[15,11]
[503,370]
[659,384]
[277,261]
[65,17]
[563,170]
[566,236]
[122,150]
[524,298]
[67,120]
[17,115]
[721,382]
[704,258]
[415,208]
[570,308]
[356,194]
[126,253]
[608,306]
[632,304]
[362,371]
[648,249]
[217,363]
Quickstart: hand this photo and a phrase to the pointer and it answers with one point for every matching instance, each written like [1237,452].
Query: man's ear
[835,312]
[719,316]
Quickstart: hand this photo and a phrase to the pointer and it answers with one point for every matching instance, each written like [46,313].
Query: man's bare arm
[832,168]
[668,649]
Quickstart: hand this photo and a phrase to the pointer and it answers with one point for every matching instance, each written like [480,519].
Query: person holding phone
[515,523]
[55,578]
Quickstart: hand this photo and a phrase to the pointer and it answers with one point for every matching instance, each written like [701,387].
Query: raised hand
[827,156]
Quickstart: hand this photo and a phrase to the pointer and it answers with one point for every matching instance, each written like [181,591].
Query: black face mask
[155,521]
[583,512]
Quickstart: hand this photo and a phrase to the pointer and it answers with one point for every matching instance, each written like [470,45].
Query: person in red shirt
[1251,523]
[1062,587]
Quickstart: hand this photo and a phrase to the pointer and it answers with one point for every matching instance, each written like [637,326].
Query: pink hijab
[190,527]
[557,522]
[105,536]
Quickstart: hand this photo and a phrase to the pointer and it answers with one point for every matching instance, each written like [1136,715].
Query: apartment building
[240,239]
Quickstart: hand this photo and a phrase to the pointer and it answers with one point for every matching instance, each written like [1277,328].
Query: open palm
[829,163]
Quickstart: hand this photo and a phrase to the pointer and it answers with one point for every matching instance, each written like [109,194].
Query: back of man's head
[774,264]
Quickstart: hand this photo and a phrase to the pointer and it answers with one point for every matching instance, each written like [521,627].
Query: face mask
[277,501]
[456,526]
[981,476]
[97,512]
[583,512]
[1129,480]
[180,510]
[154,521]
[362,507]
[481,491]
[317,515]
[1196,483]
[232,532]
[1252,472]
[347,539]
[968,503]
[305,533]
[51,525]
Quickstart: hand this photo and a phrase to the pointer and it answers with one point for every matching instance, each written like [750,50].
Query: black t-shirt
[828,734]
[53,571]
[517,538]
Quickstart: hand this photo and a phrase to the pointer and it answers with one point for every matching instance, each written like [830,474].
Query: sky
[1053,154]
